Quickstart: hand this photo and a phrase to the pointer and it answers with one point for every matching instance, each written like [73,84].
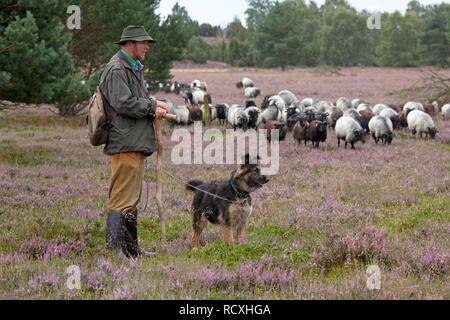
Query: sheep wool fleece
[127,175]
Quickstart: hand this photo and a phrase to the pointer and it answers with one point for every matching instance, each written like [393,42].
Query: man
[131,137]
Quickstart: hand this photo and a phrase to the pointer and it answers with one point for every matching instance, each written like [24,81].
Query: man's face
[140,49]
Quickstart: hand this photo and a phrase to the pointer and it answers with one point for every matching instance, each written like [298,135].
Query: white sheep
[308,102]
[421,123]
[323,106]
[277,101]
[245,83]
[392,115]
[411,105]
[381,128]
[445,111]
[334,114]
[252,92]
[237,117]
[378,108]
[272,113]
[352,113]
[349,130]
[356,103]
[364,107]
[288,97]
[254,117]
[343,104]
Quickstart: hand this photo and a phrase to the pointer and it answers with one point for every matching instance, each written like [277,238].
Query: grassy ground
[315,228]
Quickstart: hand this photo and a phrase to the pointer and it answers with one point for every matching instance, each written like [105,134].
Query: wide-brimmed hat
[134,33]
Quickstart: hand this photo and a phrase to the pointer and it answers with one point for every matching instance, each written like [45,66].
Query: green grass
[26,156]
[401,218]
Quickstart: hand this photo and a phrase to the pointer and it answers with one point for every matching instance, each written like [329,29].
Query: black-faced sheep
[382,129]
[237,117]
[252,92]
[349,130]
[421,123]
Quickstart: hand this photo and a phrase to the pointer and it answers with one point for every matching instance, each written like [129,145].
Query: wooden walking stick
[159,159]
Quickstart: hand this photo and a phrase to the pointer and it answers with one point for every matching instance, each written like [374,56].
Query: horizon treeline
[41,60]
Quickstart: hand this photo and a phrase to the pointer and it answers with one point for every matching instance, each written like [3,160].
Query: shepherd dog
[226,203]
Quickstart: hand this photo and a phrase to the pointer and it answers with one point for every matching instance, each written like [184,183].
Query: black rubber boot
[117,235]
[133,246]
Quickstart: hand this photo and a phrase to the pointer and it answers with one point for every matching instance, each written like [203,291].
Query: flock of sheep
[308,120]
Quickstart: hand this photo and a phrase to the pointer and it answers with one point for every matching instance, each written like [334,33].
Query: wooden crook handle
[159,159]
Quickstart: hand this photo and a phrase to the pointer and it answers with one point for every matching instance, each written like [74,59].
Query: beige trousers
[127,175]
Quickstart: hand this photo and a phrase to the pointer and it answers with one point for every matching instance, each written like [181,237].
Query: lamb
[445,111]
[252,92]
[378,108]
[381,128]
[317,132]
[245,83]
[349,130]
[275,125]
[333,116]
[288,97]
[253,114]
[422,123]
[237,117]
[391,115]
[411,105]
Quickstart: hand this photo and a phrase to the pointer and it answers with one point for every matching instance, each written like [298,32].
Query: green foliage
[399,44]
[198,51]
[435,36]
[34,56]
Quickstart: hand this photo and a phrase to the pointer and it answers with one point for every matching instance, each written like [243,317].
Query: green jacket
[125,92]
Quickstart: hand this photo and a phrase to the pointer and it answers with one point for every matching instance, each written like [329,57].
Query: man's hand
[161,109]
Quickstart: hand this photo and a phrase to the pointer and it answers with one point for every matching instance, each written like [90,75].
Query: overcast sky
[218,12]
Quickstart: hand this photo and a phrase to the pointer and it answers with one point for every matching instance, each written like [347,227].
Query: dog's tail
[191,185]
